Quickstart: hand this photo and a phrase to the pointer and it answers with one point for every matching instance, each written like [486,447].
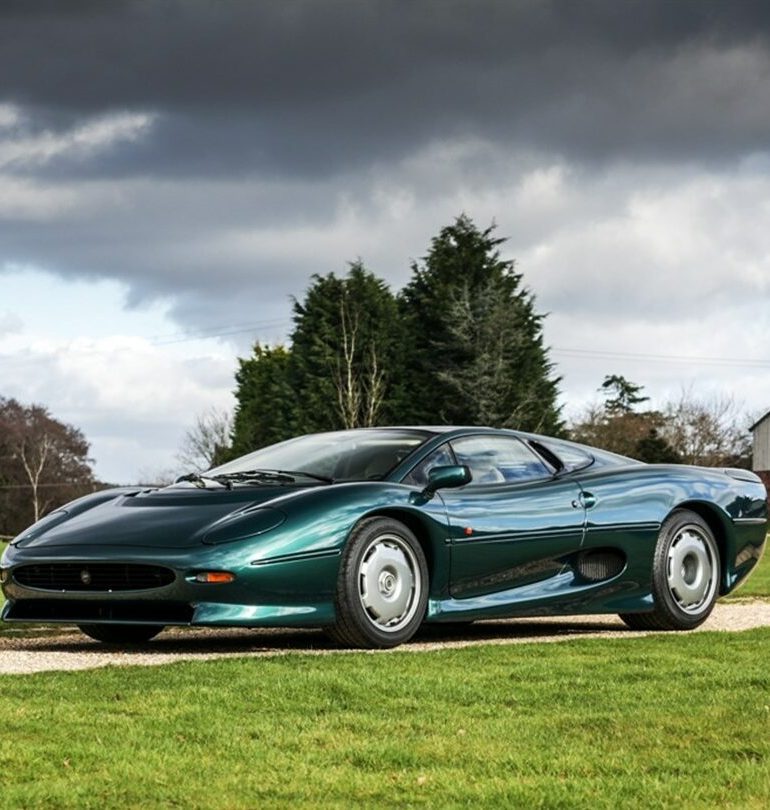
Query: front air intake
[93,576]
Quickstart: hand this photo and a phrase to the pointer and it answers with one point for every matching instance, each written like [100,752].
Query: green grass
[648,722]
[758,583]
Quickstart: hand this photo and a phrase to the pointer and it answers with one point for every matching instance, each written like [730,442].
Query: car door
[514,523]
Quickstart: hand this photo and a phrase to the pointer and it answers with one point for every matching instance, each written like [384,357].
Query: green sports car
[371,532]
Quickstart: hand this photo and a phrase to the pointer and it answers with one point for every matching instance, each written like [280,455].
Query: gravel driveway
[70,650]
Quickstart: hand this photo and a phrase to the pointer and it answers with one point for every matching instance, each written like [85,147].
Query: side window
[498,460]
[440,457]
[573,458]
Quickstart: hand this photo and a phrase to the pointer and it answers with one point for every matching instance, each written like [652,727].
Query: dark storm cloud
[280,136]
[312,87]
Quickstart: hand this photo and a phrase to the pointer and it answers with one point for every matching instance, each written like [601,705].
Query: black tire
[382,586]
[685,575]
[121,633]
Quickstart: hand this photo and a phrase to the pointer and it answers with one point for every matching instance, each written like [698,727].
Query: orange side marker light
[214,577]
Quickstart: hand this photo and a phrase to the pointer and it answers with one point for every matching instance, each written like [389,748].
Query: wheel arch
[719,525]
[425,531]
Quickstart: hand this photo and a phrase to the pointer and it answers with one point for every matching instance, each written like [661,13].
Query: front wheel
[121,633]
[382,587]
[685,575]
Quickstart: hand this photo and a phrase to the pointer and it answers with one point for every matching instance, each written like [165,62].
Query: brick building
[760,432]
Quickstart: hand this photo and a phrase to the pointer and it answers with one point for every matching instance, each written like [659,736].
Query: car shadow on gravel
[207,641]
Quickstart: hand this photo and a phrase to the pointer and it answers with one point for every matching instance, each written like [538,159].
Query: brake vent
[600,564]
[93,576]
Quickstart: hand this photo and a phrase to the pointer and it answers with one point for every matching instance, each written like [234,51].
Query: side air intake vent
[601,563]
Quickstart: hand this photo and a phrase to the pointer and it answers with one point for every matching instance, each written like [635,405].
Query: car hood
[175,517]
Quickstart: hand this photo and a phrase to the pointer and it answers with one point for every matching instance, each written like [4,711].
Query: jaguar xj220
[370,533]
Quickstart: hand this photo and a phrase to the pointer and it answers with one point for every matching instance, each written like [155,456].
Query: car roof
[436,429]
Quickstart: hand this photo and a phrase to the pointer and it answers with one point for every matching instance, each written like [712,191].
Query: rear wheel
[121,633]
[382,587]
[685,575]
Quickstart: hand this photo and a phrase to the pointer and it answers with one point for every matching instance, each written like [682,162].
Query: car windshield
[346,455]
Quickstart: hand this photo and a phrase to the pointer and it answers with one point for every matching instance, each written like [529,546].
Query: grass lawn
[758,583]
[647,722]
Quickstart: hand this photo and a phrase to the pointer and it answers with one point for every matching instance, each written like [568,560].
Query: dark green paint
[495,550]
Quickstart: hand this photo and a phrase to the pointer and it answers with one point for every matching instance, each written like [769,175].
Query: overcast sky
[172,172]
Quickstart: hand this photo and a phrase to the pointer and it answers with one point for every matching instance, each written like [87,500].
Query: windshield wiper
[200,480]
[256,475]
[324,478]
[280,476]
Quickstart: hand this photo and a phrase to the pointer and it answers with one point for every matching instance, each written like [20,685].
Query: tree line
[705,431]
[461,343]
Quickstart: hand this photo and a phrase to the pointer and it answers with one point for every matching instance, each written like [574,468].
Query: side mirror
[446,477]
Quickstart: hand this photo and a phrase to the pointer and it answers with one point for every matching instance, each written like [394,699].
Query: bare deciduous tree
[204,443]
[156,477]
[43,463]
[358,378]
[708,431]
[34,452]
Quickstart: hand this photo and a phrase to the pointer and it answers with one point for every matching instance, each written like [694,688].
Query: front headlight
[245,525]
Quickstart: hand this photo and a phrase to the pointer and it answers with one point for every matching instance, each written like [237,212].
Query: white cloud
[662,248]
[10,323]
[25,149]
[26,198]
[9,115]
[36,201]
[132,400]
[72,347]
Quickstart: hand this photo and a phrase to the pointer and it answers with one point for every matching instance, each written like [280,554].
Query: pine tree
[617,427]
[474,351]
[344,348]
[621,394]
[266,411]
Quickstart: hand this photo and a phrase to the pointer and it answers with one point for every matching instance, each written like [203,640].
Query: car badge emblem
[85,576]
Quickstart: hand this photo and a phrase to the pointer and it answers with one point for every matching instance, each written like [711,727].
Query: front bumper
[296,592]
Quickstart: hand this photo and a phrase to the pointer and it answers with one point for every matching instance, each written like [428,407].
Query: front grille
[93,576]
[75,612]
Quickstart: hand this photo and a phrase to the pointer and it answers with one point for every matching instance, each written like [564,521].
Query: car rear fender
[740,541]
[719,523]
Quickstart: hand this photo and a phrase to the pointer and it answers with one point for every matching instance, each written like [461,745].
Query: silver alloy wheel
[691,569]
[389,582]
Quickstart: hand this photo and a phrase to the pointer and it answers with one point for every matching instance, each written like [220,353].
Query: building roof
[760,420]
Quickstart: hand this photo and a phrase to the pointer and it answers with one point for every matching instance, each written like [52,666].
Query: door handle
[587,500]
